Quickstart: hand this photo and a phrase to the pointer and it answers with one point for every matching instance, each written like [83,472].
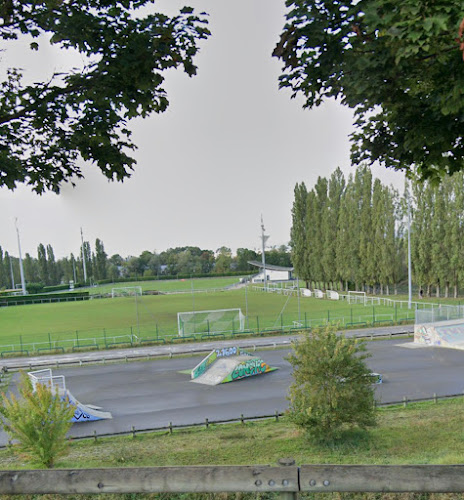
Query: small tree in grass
[332,386]
[38,421]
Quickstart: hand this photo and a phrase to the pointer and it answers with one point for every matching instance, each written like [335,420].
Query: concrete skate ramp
[220,368]
[87,413]
[443,333]
[83,413]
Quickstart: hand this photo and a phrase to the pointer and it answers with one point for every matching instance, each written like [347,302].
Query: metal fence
[145,334]
[439,312]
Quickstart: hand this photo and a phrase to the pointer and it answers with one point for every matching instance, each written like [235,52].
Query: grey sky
[230,147]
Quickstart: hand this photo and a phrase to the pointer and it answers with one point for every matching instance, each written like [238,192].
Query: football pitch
[107,322]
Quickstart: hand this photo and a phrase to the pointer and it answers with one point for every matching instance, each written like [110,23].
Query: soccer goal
[356,297]
[213,321]
[126,291]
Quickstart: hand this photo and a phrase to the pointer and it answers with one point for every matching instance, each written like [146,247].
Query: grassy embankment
[426,433]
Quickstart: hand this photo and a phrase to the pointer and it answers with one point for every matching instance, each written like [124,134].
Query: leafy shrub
[332,386]
[38,421]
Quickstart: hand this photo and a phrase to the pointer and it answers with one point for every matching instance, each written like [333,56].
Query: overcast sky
[230,147]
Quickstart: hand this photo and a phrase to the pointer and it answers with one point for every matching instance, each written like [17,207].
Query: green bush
[39,421]
[34,287]
[332,385]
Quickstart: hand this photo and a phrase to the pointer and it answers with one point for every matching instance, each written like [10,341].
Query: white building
[273,273]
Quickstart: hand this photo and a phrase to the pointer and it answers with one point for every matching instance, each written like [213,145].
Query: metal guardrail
[287,479]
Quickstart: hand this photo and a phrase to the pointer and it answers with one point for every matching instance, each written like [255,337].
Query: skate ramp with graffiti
[443,334]
[83,413]
[228,365]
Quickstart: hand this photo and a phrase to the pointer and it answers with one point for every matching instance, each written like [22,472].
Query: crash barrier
[285,480]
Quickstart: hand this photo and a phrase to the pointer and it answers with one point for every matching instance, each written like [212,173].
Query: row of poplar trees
[352,234]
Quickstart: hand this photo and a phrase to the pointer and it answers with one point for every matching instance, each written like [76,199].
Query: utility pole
[83,259]
[21,269]
[264,238]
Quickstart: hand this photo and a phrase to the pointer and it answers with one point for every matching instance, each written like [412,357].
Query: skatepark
[152,394]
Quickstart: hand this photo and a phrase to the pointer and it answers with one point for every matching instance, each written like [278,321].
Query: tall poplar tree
[53,274]
[330,224]
[43,264]
[3,280]
[363,189]
[298,233]
[100,260]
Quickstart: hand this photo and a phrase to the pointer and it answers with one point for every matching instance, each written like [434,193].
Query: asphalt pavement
[255,342]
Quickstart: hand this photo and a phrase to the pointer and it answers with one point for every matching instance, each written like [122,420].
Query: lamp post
[409,254]
[83,259]
[21,269]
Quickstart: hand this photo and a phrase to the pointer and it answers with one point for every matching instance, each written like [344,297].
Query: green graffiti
[204,365]
[249,368]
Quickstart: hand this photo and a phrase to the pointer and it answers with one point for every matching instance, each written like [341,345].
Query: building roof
[270,267]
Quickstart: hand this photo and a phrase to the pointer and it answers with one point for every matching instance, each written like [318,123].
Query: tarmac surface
[152,393]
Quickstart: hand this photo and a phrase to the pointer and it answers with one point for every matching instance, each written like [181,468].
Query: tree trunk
[447,289]
[438,290]
[455,291]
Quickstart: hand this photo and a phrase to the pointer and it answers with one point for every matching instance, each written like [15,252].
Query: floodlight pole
[409,254]
[21,269]
[83,259]
[137,314]
[246,304]
[264,238]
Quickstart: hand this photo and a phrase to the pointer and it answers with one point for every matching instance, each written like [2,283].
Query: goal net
[356,297]
[126,291]
[213,321]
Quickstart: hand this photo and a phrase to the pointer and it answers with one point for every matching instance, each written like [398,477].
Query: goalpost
[126,291]
[212,321]
[356,297]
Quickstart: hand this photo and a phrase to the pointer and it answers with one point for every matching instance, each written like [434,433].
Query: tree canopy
[45,127]
[397,63]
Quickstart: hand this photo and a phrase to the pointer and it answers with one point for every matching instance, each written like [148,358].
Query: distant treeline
[45,273]
[353,233]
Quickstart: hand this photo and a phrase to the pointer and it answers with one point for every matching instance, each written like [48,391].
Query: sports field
[169,285]
[110,321]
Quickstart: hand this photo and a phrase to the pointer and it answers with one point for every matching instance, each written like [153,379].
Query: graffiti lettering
[226,351]
[80,415]
[249,368]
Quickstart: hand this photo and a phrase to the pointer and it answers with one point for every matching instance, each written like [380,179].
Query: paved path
[100,356]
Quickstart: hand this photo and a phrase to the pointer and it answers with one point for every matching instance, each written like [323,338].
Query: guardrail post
[287,495]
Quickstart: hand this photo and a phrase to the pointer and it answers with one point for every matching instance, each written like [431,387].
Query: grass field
[132,319]
[169,285]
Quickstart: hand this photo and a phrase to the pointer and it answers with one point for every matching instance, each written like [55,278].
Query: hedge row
[28,299]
